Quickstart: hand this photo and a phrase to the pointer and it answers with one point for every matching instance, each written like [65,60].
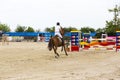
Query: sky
[40,14]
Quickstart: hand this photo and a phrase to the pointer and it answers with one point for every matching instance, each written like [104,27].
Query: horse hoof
[56,57]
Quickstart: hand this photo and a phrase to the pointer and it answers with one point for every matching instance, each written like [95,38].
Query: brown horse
[55,42]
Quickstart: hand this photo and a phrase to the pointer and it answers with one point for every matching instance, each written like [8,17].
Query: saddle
[59,38]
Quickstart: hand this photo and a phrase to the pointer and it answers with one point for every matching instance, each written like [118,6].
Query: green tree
[30,29]
[87,29]
[118,23]
[20,28]
[47,29]
[70,29]
[4,27]
[38,30]
[65,29]
[99,32]
[51,29]
[116,11]
[110,28]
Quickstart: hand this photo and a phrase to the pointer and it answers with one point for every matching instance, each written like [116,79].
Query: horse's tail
[50,44]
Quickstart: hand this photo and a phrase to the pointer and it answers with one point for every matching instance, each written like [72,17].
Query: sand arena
[33,61]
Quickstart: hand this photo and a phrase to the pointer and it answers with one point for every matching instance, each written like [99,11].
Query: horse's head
[62,31]
[50,44]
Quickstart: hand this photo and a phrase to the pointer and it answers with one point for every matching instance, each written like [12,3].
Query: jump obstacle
[112,41]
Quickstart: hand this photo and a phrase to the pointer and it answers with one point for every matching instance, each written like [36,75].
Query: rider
[57,31]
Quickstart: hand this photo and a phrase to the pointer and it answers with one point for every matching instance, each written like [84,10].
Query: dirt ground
[33,61]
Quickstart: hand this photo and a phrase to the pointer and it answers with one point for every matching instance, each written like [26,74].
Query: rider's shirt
[57,31]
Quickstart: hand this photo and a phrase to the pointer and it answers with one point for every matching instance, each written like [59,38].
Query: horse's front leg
[62,44]
[55,51]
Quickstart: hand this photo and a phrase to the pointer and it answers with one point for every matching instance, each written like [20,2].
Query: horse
[55,42]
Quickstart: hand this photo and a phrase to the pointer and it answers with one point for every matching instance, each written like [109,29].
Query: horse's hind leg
[62,48]
[65,50]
